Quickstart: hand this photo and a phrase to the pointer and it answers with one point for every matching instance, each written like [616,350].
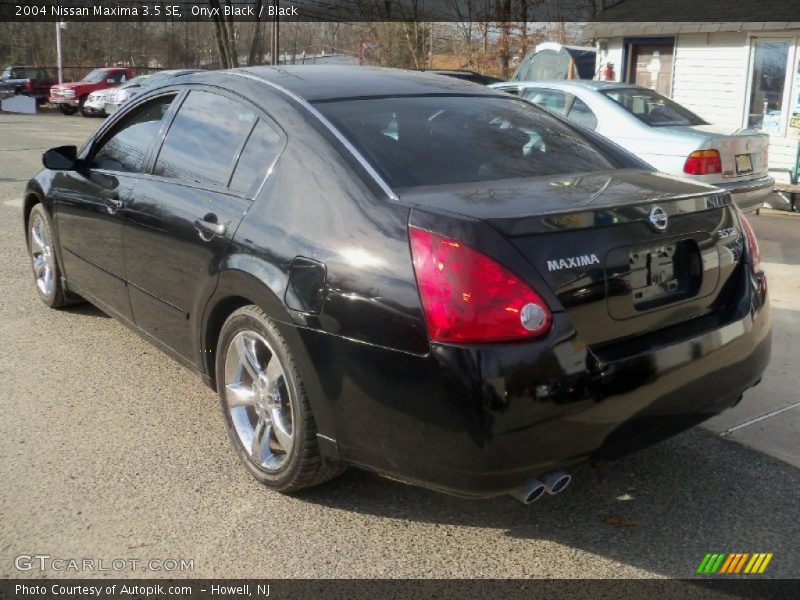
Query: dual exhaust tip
[551,483]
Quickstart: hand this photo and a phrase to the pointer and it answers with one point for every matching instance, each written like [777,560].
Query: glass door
[769,60]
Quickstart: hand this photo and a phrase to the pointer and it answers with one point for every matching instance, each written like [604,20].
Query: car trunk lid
[624,252]
[743,152]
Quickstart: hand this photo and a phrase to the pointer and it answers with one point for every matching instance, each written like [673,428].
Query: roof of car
[567,83]
[330,82]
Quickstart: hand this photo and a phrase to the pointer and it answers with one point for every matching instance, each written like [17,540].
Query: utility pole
[275,39]
[59,26]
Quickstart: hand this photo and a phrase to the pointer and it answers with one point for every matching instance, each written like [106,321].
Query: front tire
[67,109]
[265,406]
[41,249]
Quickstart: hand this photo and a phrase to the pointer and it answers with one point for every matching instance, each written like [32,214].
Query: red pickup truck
[70,96]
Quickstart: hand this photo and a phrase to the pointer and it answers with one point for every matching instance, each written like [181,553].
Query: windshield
[653,108]
[95,76]
[139,81]
[435,140]
[157,79]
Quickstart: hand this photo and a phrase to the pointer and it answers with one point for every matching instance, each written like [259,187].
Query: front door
[90,207]
[650,65]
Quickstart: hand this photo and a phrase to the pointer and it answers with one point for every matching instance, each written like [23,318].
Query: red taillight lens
[468,297]
[703,162]
[753,251]
[29,85]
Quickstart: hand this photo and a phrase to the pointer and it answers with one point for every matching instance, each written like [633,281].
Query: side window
[116,76]
[582,115]
[125,150]
[549,99]
[204,139]
[261,149]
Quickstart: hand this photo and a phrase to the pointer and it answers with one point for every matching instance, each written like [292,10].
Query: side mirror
[63,158]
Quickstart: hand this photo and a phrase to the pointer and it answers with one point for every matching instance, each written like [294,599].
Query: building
[739,75]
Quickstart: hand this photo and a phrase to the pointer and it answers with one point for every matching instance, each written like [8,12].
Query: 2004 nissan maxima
[405,272]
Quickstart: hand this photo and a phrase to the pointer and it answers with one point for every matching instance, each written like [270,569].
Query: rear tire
[265,406]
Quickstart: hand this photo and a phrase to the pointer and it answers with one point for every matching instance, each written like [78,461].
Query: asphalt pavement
[111,450]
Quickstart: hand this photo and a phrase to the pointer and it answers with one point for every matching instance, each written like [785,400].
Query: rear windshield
[436,140]
[653,108]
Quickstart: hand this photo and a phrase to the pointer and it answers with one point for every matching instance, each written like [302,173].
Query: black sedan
[405,272]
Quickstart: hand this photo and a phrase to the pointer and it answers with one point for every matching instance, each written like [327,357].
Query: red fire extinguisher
[607,73]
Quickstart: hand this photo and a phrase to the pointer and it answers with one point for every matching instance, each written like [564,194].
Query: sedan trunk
[743,152]
[625,252]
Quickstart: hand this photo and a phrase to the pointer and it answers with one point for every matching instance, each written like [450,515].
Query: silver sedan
[661,132]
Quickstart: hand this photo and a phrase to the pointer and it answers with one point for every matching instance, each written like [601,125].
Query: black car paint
[469,419]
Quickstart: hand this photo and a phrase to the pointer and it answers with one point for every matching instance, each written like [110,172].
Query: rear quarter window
[259,153]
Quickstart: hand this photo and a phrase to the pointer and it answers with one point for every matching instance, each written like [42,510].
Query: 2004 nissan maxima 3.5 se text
[405,272]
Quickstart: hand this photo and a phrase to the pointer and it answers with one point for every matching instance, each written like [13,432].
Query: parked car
[95,104]
[69,97]
[394,270]
[663,133]
[136,85]
[470,76]
[29,81]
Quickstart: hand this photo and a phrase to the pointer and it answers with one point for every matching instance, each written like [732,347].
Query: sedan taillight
[703,162]
[753,251]
[469,298]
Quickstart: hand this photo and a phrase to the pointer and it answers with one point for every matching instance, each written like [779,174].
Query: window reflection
[204,139]
[767,84]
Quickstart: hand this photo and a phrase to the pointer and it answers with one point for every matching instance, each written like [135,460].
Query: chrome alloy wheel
[42,257]
[257,400]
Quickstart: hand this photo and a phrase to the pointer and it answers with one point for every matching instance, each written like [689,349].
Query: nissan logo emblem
[658,218]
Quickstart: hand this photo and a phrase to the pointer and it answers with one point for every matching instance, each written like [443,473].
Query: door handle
[113,203]
[209,228]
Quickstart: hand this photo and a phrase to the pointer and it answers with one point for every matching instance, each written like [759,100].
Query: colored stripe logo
[721,563]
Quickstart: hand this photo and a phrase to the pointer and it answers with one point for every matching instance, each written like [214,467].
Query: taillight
[703,162]
[468,297]
[29,85]
[753,251]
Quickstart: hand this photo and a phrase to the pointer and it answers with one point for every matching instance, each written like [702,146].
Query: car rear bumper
[749,195]
[481,421]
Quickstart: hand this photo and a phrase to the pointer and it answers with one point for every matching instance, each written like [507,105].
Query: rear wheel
[67,109]
[265,406]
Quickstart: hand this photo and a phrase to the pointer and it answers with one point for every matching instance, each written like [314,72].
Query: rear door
[182,218]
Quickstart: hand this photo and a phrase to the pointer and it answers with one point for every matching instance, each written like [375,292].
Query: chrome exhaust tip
[555,482]
[530,492]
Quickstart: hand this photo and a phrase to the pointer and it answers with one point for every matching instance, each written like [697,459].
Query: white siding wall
[710,75]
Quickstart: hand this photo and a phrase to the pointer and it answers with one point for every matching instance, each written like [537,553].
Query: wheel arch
[238,287]
[242,281]
[32,198]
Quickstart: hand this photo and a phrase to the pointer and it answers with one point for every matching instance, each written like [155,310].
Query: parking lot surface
[111,450]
